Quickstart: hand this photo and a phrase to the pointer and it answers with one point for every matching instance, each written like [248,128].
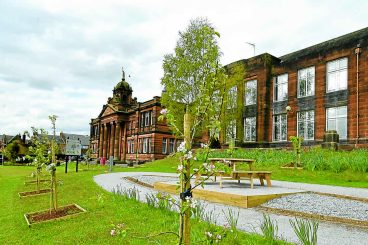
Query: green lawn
[104,209]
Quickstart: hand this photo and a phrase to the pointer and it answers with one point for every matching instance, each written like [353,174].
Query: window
[279,127]
[231,130]
[142,119]
[130,125]
[251,92]
[140,145]
[130,146]
[164,146]
[171,146]
[306,78]
[337,120]
[280,89]
[337,75]
[250,129]
[146,145]
[231,98]
[147,118]
[306,124]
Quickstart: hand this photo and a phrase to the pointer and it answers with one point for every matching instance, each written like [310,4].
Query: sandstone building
[304,93]
[129,130]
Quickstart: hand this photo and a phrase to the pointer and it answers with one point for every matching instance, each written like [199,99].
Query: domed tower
[122,92]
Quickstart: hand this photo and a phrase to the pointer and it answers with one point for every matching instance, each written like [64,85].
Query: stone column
[112,138]
[117,141]
[100,141]
[125,142]
[104,144]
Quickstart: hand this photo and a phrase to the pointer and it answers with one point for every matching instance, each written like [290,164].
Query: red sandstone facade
[335,98]
[129,130]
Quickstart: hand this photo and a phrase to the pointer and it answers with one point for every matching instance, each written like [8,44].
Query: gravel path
[320,204]
[250,218]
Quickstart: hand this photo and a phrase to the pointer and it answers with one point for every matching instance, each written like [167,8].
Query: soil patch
[291,165]
[34,193]
[47,215]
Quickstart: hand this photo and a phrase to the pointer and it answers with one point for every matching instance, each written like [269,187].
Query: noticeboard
[73,147]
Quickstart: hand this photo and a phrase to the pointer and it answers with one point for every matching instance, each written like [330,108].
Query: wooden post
[186,185]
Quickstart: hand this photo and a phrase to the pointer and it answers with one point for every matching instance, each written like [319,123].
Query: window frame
[246,91]
[345,137]
[276,83]
[306,124]
[171,149]
[273,128]
[164,149]
[337,70]
[245,129]
[306,82]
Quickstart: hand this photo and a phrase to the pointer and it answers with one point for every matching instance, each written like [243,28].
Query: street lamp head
[288,109]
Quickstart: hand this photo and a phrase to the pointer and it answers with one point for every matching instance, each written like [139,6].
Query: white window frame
[145,145]
[341,66]
[306,122]
[171,145]
[280,125]
[308,74]
[280,86]
[336,117]
[249,127]
[164,146]
[250,86]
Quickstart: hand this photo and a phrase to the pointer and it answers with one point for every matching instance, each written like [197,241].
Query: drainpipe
[357,52]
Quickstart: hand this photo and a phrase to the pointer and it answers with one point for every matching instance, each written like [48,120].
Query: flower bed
[47,215]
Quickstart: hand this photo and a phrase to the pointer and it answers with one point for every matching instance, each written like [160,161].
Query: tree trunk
[186,219]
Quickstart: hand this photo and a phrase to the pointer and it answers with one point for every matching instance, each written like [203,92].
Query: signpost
[72,148]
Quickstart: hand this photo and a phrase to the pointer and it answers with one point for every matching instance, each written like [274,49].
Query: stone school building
[304,93]
[129,130]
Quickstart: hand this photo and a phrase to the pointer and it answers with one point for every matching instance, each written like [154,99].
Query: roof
[83,138]
[348,40]
[6,138]
[58,139]
[123,85]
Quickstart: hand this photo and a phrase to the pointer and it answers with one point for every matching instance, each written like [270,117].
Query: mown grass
[103,210]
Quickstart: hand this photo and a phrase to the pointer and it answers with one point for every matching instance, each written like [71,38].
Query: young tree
[39,150]
[53,144]
[194,82]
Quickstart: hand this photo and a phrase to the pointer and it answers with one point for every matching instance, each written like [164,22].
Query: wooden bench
[198,175]
[262,175]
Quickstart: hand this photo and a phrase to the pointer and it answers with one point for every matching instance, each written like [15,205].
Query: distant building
[4,140]
[129,130]
[304,93]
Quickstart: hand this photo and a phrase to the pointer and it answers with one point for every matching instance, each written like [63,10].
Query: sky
[63,57]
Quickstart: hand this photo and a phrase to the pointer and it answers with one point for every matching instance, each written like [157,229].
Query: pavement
[250,218]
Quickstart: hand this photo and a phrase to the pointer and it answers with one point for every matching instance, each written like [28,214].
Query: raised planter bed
[34,193]
[61,213]
[35,181]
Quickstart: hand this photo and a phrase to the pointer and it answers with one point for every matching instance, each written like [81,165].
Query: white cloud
[64,57]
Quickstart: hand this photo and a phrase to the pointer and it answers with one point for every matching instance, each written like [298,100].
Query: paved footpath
[250,218]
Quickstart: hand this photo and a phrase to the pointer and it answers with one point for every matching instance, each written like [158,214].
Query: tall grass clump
[269,228]
[305,230]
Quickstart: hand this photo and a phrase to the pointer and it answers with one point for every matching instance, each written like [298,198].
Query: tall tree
[194,82]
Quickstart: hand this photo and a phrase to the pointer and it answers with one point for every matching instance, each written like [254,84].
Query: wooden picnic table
[232,162]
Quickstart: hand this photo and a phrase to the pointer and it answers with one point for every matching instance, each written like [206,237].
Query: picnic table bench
[235,174]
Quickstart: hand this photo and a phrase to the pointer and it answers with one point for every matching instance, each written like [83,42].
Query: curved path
[250,218]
